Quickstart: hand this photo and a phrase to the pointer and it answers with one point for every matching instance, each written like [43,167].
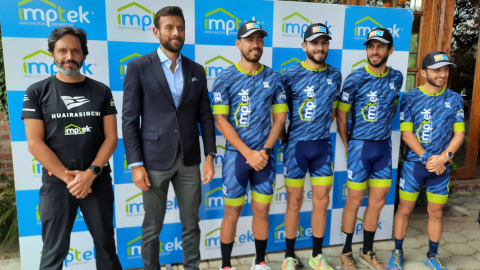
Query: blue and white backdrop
[120,31]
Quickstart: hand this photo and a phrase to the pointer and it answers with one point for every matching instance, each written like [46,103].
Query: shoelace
[374,258]
[439,262]
[350,260]
[397,255]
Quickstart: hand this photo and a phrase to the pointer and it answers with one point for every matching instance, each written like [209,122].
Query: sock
[290,247]
[260,249]
[399,244]
[347,242]
[368,241]
[317,246]
[226,250]
[432,248]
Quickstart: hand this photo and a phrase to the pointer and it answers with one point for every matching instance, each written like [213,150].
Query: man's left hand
[80,187]
[436,162]
[208,170]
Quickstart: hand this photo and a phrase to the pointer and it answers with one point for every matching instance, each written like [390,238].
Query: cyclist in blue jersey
[312,89]
[371,94]
[244,97]
[431,121]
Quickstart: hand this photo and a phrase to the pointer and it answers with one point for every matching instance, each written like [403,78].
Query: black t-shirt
[73,117]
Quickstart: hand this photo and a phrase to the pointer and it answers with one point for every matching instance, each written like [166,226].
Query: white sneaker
[261,266]
[227,268]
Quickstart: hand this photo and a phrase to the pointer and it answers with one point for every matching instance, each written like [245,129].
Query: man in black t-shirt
[70,122]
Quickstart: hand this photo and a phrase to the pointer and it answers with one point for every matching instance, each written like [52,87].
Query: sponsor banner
[122,174]
[81,254]
[118,99]
[384,226]
[359,21]
[38,18]
[291,20]
[217,22]
[27,169]
[129,20]
[17,126]
[129,245]
[219,158]
[33,63]
[352,60]
[213,201]
[284,58]
[121,53]
[29,219]
[277,231]
[210,238]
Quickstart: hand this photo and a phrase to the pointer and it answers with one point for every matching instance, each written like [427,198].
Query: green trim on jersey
[377,74]
[237,65]
[430,94]
[313,69]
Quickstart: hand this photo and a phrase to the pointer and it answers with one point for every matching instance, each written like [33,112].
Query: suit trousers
[58,211]
[187,186]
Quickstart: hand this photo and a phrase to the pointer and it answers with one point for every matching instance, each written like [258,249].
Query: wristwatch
[95,169]
[449,155]
[268,151]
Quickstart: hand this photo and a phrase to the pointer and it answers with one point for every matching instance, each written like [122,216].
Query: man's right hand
[140,177]
[256,160]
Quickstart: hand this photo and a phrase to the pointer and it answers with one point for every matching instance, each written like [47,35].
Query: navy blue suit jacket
[146,96]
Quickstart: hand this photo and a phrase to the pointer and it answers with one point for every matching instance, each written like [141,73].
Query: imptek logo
[134,248]
[302,232]
[214,241]
[211,71]
[359,64]
[425,129]
[53,16]
[286,64]
[78,257]
[214,201]
[228,26]
[282,196]
[370,111]
[124,61]
[308,106]
[131,207]
[36,167]
[76,130]
[242,115]
[135,21]
[365,25]
[295,29]
[359,228]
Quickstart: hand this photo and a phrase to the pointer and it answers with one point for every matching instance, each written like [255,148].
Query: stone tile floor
[459,247]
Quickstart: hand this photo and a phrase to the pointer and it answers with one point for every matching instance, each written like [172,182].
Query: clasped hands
[80,183]
[436,164]
[257,159]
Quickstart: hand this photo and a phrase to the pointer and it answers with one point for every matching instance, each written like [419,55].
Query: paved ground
[459,247]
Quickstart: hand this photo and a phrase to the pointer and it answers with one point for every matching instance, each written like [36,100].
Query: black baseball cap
[381,34]
[248,27]
[315,30]
[435,60]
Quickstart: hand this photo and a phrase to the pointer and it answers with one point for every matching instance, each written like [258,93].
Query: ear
[84,57]
[51,55]
[156,32]
[304,46]
[238,44]
[423,73]
[391,50]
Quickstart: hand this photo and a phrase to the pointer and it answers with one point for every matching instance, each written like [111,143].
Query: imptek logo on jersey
[76,130]
[227,26]
[425,129]
[308,104]
[242,115]
[371,108]
[132,20]
[49,14]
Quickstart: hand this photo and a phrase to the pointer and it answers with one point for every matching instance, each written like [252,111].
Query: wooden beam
[362,2]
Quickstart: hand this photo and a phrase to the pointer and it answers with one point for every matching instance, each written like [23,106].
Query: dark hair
[389,45]
[166,11]
[59,32]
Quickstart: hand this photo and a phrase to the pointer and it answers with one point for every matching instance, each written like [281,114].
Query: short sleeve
[347,95]
[338,84]
[406,118]
[109,104]
[220,98]
[458,123]
[31,105]
[280,99]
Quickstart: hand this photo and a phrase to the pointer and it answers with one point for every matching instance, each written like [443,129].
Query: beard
[431,81]
[68,71]
[169,47]
[382,61]
[253,59]
[312,57]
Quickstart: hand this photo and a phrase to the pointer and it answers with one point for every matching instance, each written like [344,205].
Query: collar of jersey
[430,94]
[313,69]
[377,74]
[237,65]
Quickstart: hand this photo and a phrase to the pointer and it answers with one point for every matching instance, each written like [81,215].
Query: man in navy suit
[168,93]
